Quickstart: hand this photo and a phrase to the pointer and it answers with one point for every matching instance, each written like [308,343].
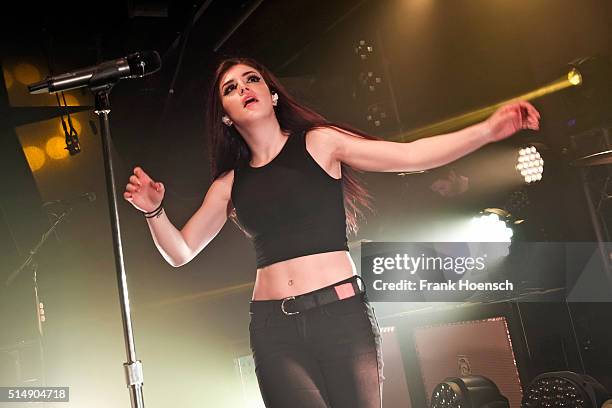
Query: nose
[242,88]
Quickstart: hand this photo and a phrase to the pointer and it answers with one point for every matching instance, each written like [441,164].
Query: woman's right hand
[142,192]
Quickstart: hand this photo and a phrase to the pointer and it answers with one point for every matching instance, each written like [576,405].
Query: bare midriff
[301,275]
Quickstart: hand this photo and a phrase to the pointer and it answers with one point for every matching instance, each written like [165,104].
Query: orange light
[71,100]
[8,78]
[56,148]
[26,73]
[35,157]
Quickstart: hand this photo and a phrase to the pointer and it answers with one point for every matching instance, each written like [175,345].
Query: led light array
[530,164]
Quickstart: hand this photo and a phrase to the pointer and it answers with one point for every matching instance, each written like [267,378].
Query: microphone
[135,65]
[82,198]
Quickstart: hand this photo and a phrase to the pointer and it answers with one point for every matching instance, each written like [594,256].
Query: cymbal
[594,159]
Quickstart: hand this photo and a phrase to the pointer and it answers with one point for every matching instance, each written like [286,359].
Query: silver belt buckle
[283,306]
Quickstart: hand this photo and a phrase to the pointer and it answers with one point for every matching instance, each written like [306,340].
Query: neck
[264,138]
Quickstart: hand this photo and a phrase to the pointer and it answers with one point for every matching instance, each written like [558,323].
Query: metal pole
[133,368]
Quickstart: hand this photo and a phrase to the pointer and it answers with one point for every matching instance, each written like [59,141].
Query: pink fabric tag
[345,290]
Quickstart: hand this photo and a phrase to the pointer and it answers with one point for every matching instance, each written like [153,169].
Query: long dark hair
[228,149]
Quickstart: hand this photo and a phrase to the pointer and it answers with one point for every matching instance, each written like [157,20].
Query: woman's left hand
[511,118]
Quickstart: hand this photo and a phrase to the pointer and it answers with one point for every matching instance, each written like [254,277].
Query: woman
[283,174]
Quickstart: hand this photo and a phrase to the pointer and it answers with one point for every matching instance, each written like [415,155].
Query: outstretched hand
[142,192]
[511,118]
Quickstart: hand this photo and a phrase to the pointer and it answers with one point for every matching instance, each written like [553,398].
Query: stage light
[574,77]
[369,80]
[592,73]
[35,157]
[586,71]
[376,115]
[26,73]
[589,102]
[363,49]
[530,164]
[491,226]
[474,391]
[56,148]
[565,389]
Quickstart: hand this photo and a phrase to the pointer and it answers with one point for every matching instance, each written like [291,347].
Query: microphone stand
[101,80]
[133,367]
[40,311]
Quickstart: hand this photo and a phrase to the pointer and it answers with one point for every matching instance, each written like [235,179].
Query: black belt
[295,304]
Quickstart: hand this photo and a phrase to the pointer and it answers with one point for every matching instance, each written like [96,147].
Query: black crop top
[291,207]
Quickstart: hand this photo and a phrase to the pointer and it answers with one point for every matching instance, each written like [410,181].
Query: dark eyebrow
[246,73]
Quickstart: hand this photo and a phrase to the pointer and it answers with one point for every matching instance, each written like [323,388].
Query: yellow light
[27,73]
[205,295]
[71,100]
[574,77]
[56,148]
[8,78]
[463,120]
[35,157]
[75,124]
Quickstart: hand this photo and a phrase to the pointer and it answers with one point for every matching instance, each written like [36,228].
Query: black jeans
[328,356]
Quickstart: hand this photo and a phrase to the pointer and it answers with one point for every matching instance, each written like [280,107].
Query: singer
[285,175]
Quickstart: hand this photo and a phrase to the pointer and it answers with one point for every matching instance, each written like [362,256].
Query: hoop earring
[274,99]
[226,120]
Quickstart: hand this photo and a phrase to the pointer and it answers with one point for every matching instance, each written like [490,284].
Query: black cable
[71,135]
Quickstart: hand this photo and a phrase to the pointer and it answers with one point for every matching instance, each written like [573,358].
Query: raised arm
[431,152]
[180,247]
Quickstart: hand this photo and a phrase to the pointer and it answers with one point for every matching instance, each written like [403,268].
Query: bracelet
[156,211]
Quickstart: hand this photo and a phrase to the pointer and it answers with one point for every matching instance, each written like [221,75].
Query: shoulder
[330,139]
[225,178]
[323,134]
[223,184]
[322,145]
[321,140]
[331,134]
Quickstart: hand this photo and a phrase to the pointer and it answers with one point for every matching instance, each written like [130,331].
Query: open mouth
[249,101]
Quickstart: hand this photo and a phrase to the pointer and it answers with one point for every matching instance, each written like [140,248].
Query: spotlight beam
[205,295]
[572,78]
